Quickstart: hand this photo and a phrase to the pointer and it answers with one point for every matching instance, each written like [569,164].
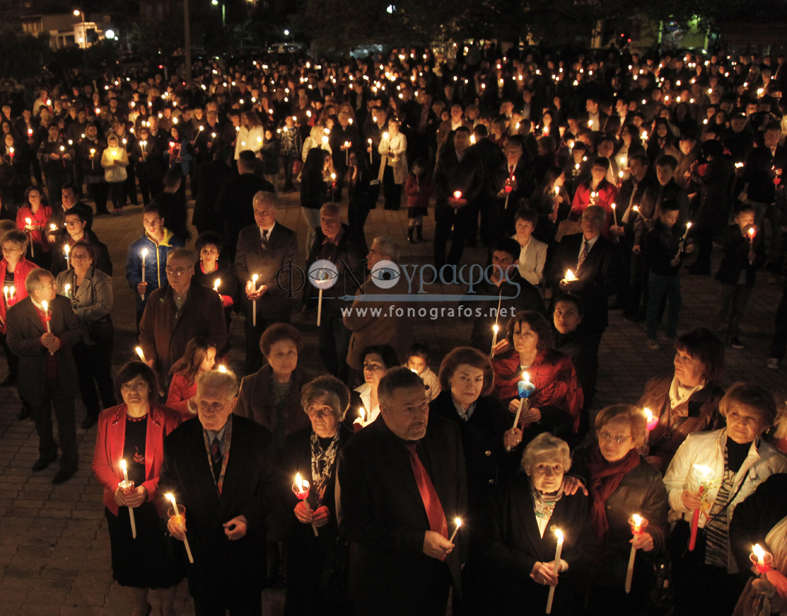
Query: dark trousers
[11,359]
[659,287]
[116,190]
[94,365]
[450,224]
[357,213]
[334,342]
[287,162]
[703,589]
[780,335]
[434,603]
[732,302]
[99,192]
[149,188]
[637,296]
[240,602]
[54,395]
[54,182]
[130,185]
[391,190]
[703,234]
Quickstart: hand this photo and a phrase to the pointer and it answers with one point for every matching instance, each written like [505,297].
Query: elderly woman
[134,431]
[738,459]
[622,484]
[466,381]
[519,539]
[90,292]
[377,360]
[271,396]
[313,453]
[688,400]
[556,402]
[14,269]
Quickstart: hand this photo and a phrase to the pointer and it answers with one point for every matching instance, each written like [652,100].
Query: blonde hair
[542,443]
[638,422]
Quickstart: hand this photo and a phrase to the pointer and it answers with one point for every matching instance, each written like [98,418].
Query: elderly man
[400,480]
[42,339]
[598,268]
[375,322]
[337,243]
[226,502]
[264,249]
[177,312]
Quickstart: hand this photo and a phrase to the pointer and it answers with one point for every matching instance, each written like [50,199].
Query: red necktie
[434,510]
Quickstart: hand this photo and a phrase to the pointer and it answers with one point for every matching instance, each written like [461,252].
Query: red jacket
[109,449]
[552,373]
[39,223]
[180,392]
[23,268]
[418,194]
[605,197]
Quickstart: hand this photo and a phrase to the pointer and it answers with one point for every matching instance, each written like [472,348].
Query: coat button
[488,453]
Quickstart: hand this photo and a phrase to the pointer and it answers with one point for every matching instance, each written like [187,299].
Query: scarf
[544,504]
[605,477]
[323,463]
[679,395]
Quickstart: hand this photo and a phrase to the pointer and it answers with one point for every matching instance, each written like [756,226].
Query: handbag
[101,332]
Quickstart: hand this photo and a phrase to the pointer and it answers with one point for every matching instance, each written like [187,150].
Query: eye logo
[323,274]
[385,274]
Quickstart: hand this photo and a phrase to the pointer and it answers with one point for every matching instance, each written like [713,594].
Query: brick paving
[54,546]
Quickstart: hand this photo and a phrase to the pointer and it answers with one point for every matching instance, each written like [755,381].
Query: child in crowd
[743,253]
[664,250]
[199,357]
[418,189]
[418,362]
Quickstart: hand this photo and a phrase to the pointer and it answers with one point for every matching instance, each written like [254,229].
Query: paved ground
[54,547]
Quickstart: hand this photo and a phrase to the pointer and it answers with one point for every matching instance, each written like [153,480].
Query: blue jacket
[155,263]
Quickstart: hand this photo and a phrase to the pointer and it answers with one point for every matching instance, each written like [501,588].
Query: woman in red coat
[596,191]
[134,431]
[33,219]
[200,356]
[14,268]
[557,400]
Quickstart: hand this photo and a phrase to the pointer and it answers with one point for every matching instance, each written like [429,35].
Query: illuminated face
[209,361]
[546,471]
[566,317]
[152,223]
[264,215]
[283,356]
[407,416]
[744,424]
[373,368]
[525,339]
[615,439]
[213,407]
[688,370]
[466,384]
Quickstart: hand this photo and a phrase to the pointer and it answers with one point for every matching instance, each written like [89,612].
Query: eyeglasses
[613,438]
[177,272]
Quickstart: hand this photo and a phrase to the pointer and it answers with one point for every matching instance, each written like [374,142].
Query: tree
[23,55]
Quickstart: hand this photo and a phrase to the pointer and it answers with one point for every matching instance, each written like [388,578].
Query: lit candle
[524,389]
[370,151]
[47,318]
[141,355]
[555,568]
[570,277]
[223,369]
[704,475]
[495,329]
[638,524]
[383,159]
[458,523]
[67,249]
[179,519]
[68,290]
[652,420]
[254,302]
[126,485]
[301,490]
[143,253]
[761,559]
[457,194]
[751,233]
[615,212]
[347,145]
[216,285]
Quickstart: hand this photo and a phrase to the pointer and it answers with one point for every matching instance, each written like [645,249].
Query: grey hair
[33,280]
[597,213]
[330,391]
[263,197]
[182,253]
[332,209]
[388,247]
[542,443]
[395,379]
[220,380]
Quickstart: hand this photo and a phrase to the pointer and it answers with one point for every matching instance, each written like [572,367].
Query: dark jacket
[381,513]
[758,173]
[735,257]
[662,246]
[716,187]
[584,355]
[208,182]
[234,204]
[350,252]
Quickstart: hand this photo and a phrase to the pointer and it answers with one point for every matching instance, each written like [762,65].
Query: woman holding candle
[556,403]
[33,219]
[217,274]
[551,201]
[134,431]
[621,484]
[200,357]
[90,292]
[393,147]
[518,541]
[688,400]
[377,360]
[596,190]
[706,579]
[114,160]
[313,453]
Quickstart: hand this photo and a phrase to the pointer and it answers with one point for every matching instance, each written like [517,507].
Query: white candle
[143,253]
[68,290]
[615,213]
[179,521]
[370,151]
[254,302]
[458,523]
[636,529]
[319,309]
[45,305]
[67,249]
[555,567]
[526,379]
[141,355]
[126,485]
[29,229]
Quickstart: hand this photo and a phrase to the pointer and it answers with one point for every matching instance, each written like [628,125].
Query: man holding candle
[399,480]
[225,503]
[263,249]
[77,231]
[47,376]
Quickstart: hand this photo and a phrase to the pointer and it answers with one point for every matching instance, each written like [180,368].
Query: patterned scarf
[323,464]
[605,477]
[544,504]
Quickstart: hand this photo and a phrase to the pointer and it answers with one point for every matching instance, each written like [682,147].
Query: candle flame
[637,520]
[216,284]
[222,368]
[301,483]
[28,221]
[703,472]
[648,415]
[570,275]
[140,353]
[144,252]
[559,535]
[759,552]
[457,194]
[688,226]
[46,306]
[171,498]
[458,522]
[123,465]
[751,233]
[495,328]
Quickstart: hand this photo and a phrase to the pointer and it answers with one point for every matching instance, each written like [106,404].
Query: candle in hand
[458,523]
[216,285]
[301,490]
[179,519]
[638,524]
[652,420]
[555,568]
[126,485]
[45,306]
[141,355]
[704,475]
[254,302]
[761,559]
[495,329]
[570,277]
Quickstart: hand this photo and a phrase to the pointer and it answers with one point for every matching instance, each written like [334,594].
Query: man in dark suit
[210,178]
[226,500]
[235,197]
[264,248]
[69,203]
[400,484]
[595,262]
[47,374]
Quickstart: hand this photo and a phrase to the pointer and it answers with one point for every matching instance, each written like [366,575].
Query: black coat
[512,545]
[208,182]
[221,565]
[251,259]
[735,257]
[172,207]
[600,276]
[234,204]
[584,355]
[382,515]
[349,253]
[487,461]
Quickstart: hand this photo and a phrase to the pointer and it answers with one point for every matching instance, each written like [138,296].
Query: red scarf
[605,477]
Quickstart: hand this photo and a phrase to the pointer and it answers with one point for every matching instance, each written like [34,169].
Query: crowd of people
[590,179]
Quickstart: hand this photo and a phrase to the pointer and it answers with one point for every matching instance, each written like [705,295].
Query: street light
[77,13]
